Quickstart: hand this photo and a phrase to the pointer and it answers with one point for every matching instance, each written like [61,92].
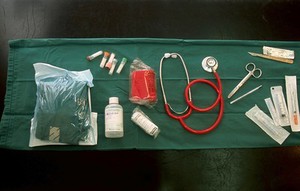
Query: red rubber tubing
[219,100]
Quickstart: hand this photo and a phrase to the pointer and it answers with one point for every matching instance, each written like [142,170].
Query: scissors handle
[251,67]
[257,73]
[240,84]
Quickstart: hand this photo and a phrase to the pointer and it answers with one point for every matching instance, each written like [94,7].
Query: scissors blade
[240,84]
[233,91]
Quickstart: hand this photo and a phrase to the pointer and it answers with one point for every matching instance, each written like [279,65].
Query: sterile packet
[292,101]
[62,113]
[280,105]
[142,84]
[144,122]
[261,119]
[278,52]
[272,111]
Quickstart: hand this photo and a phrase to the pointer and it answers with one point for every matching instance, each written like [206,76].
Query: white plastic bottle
[114,119]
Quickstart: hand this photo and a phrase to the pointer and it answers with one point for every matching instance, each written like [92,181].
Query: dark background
[214,169]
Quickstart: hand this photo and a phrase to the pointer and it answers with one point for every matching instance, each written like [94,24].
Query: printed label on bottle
[114,119]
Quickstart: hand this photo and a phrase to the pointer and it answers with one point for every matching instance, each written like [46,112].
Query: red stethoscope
[209,64]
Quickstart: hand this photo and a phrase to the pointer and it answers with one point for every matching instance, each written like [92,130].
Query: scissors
[252,71]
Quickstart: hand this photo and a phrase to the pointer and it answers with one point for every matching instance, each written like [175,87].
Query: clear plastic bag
[63,113]
[142,84]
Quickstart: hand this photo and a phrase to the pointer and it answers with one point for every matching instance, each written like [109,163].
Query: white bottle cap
[113,100]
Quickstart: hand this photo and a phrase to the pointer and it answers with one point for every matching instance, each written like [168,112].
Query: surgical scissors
[252,71]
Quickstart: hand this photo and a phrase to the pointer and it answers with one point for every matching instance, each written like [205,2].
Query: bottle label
[113,119]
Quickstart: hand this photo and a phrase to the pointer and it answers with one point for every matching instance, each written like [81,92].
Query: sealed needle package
[261,119]
[272,111]
[280,105]
[292,101]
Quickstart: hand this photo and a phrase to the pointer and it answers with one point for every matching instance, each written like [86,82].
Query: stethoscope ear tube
[168,107]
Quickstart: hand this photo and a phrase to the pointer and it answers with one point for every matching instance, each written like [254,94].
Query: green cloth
[235,130]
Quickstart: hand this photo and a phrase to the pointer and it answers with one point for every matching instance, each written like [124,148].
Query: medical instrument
[280,105]
[252,71]
[265,122]
[113,65]
[278,52]
[144,122]
[284,60]
[261,119]
[123,62]
[110,60]
[292,102]
[250,92]
[272,111]
[210,64]
[294,111]
[104,59]
[91,57]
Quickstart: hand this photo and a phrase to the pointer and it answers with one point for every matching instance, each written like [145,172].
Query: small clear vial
[123,62]
[104,59]
[110,60]
[114,119]
[91,57]
[114,63]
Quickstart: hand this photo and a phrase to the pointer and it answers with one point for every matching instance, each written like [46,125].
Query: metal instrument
[284,60]
[250,92]
[252,71]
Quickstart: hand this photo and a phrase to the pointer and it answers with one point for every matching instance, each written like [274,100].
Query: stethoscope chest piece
[209,64]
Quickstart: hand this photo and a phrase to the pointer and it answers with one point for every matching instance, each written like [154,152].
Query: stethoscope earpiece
[172,55]
[167,55]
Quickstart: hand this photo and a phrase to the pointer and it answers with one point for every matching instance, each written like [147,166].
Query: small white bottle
[114,119]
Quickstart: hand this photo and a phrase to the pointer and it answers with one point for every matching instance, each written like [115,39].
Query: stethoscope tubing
[219,101]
